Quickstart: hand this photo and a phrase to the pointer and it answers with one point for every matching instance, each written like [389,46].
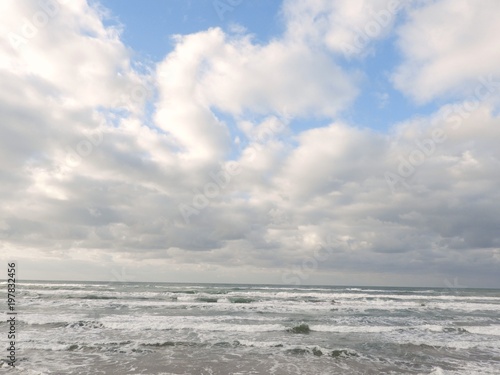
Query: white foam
[58,285]
[493,330]
[362,329]
[195,323]
[476,368]
[33,318]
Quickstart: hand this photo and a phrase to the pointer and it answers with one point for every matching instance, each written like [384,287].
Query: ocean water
[162,328]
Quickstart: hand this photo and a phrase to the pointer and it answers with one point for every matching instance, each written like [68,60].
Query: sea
[167,328]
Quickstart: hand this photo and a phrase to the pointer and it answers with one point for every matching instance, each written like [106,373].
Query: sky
[304,142]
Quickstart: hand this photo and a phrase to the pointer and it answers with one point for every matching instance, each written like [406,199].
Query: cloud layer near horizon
[212,176]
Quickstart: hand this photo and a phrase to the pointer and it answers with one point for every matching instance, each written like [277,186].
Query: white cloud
[66,50]
[235,75]
[347,27]
[447,46]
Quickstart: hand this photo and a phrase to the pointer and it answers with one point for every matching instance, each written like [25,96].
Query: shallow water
[159,328]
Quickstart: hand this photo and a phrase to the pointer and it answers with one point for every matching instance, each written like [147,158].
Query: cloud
[447,46]
[234,75]
[332,183]
[342,26]
[66,51]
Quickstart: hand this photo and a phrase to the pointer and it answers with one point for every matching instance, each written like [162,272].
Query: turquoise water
[159,328]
